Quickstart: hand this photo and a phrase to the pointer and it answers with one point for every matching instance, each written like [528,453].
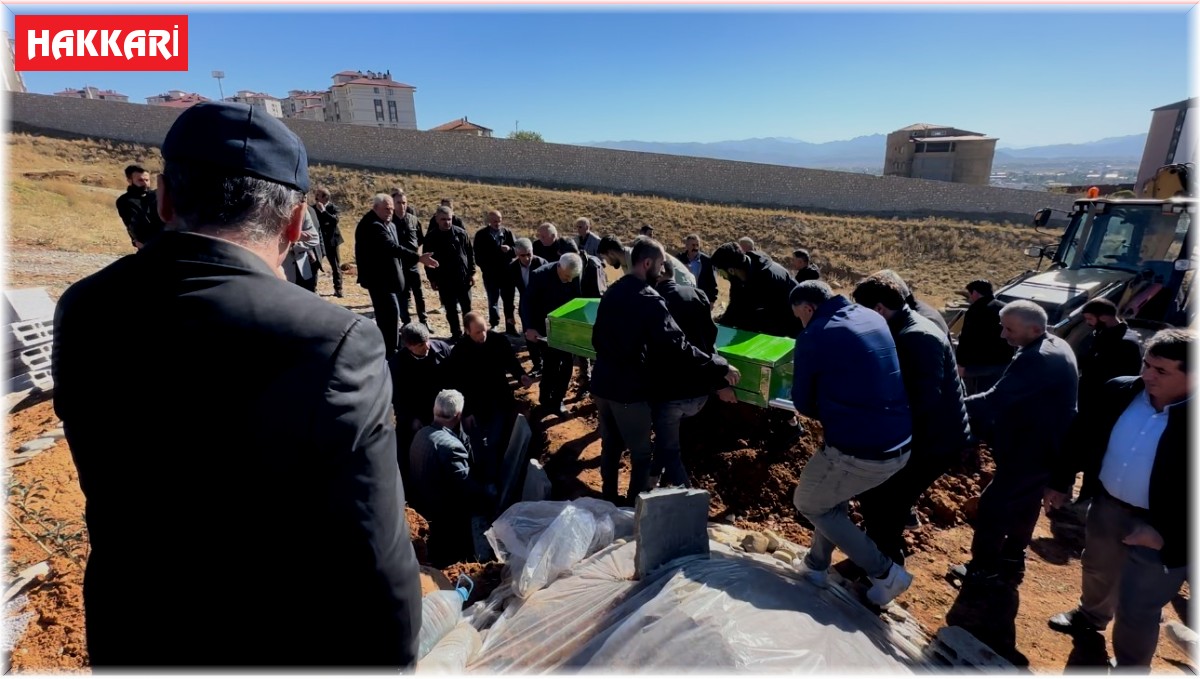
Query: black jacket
[433,225]
[762,303]
[1111,352]
[1169,478]
[546,292]
[263,421]
[515,281]
[935,394]
[331,233]
[635,337]
[707,280]
[929,313]
[979,341]
[480,372]
[546,252]
[690,309]
[447,490]
[408,230]
[593,279]
[1026,414]
[491,260]
[417,381]
[138,209]
[808,273]
[380,255]
[455,257]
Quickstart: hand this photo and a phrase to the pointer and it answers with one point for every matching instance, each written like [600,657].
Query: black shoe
[966,575]
[511,329]
[1012,570]
[338,293]
[1072,622]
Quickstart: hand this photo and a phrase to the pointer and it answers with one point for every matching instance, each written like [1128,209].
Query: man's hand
[1144,536]
[428,260]
[532,335]
[320,207]
[505,249]
[526,381]
[727,395]
[1052,499]
[733,376]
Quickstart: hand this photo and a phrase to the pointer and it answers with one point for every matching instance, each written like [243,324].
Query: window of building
[374,90]
[935,147]
[393,116]
[378,109]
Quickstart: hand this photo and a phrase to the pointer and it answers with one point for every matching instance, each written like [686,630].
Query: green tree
[525,135]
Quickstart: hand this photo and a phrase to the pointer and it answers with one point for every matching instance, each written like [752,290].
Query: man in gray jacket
[1024,419]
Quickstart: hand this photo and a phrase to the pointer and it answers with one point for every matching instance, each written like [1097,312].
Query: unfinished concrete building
[948,154]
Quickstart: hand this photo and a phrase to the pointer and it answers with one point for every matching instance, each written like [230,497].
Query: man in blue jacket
[847,376]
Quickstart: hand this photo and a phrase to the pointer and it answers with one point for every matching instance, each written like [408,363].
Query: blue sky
[1029,76]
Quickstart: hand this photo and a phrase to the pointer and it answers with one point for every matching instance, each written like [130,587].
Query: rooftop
[460,124]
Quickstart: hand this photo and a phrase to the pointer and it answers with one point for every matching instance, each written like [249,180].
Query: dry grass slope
[61,195]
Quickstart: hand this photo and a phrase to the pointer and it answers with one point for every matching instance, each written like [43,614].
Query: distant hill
[867,152]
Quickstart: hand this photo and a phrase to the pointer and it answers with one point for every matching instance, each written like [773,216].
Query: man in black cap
[138,207]
[759,292]
[264,421]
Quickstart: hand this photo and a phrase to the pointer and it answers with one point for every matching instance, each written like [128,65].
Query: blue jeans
[829,479]
[668,459]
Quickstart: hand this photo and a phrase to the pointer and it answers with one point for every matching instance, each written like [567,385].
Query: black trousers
[309,284]
[496,288]
[556,376]
[452,299]
[387,317]
[335,264]
[535,354]
[412,285]
[885,507]
[1008,512]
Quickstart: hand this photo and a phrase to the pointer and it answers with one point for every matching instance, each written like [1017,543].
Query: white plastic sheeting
[727,613]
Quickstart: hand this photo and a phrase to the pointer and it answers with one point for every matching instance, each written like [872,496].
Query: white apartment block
[89,92]
[265,102]
[370,99]
[304,104]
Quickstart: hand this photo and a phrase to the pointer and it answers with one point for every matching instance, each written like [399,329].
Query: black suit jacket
[331,233]
[707,280]
[692,312]
[263,423]
[381,256]
[488,256]
[515,281]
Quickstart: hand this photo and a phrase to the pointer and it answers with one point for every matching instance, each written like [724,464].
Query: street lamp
[218,75]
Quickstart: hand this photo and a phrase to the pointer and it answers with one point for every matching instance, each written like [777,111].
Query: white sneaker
[890,586]
[1182,636]
[817,578]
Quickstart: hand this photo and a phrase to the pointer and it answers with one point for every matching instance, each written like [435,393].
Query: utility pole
[218,75]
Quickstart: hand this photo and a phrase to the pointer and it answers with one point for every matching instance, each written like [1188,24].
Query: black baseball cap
[240,140]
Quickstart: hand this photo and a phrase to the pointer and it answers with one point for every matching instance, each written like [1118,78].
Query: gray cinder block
[669,524]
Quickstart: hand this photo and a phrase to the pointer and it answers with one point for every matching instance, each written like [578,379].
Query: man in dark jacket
[982,353]
[545,243]
[479,367]
[1024,418]
[759,302]
[519,272]
[1112,350]
[273,405]
[592,284]
[454,276]
[940,431]
[382,259]
[493,253]
[1137,546]
[550,287]
[805,269]
[138,207]
[701,267]
[681,392]
[847,376]
[634,336]
[419,372]
[408,230]
[447,487]
[331,235]
[454,219]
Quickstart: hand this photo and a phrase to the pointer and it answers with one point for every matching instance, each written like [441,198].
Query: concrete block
[26,334]
[669,524]
[27,304]
[36,444]
[537,485]
[56,433]
[513,465]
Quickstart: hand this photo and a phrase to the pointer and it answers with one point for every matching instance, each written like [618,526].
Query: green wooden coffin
[764,361]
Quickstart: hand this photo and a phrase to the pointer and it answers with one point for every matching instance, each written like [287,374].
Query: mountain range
[866,152]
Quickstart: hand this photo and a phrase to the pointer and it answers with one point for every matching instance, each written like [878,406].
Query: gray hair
[746,240]
[1028,312]
[583,220]
[523,245]
[899,282]
[381,198]
[448,404]
[572,262]
[668,268]
[414,333]
[550,228]
[238,208]
[443,210]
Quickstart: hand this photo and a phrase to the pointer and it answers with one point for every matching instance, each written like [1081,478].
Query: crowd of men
[271,423]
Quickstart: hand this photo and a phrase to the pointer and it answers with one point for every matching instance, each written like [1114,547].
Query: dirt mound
[418,531]
[486,576]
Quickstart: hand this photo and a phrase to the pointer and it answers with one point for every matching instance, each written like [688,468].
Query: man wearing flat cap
[252,514]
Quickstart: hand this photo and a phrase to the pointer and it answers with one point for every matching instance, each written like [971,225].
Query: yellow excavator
[1137,252]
